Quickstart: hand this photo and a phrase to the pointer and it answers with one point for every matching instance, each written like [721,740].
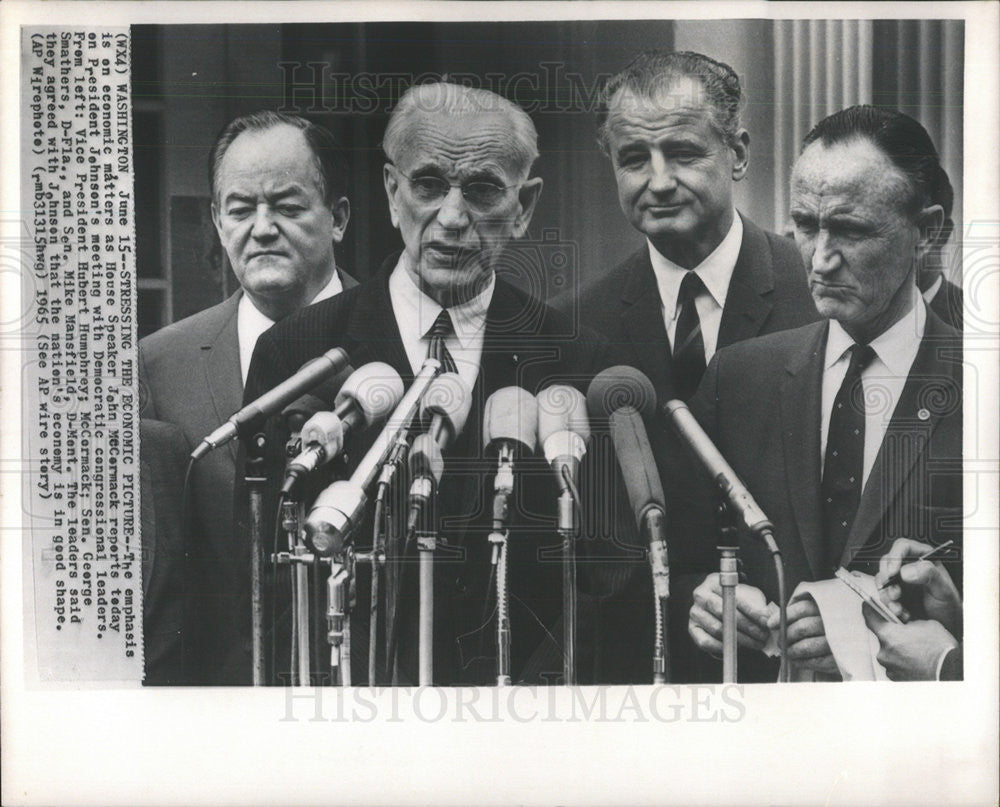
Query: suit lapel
[220,355]
[905,442]
[800,416]
[642,320]
[372,327]
[748,299]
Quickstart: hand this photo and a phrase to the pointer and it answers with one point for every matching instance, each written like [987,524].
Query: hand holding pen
[912,564]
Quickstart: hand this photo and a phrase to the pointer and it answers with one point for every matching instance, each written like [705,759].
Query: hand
[807,644]
[938,597]
[910,652]
[705,618]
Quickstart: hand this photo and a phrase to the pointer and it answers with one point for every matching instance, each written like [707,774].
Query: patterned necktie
[437,349]
[689,348]
[843,464]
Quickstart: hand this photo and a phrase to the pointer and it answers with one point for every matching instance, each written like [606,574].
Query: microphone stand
[567,528]
[426,544]
[256,482]
[503,487]
[300,558]
[729,578]
[339,597]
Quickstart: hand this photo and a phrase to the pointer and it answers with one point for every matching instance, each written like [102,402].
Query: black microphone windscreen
[621,386]
[635,458]
[450,397]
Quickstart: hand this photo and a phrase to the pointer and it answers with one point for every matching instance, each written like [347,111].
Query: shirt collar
[896,348]
[935,287]
[715,271]
[251,323]
[415,311]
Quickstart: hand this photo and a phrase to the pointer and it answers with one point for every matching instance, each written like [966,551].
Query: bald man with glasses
[458,181]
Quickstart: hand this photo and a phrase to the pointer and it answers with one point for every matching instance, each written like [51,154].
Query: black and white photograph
[525,382]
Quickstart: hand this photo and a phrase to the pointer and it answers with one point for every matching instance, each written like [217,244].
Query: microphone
[510,421]
[338,510]
[645,491]
[446,405]
[563,431]
[365,398]
[308,376]
[719,470]
[510,427]
[319,399]
[620,386]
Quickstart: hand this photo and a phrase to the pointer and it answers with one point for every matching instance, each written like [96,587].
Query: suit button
[460,587]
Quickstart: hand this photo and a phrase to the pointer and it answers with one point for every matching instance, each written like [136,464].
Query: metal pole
[567,528]
[426,543]
[728,579]
[255,487]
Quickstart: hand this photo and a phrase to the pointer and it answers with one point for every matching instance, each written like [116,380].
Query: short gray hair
[442,97]
[652,71]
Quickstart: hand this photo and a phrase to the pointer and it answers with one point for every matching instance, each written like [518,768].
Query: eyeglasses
[481,194]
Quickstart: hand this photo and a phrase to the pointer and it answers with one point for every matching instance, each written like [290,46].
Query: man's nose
[263,226]
[453,214]
[826,256]
[661,177]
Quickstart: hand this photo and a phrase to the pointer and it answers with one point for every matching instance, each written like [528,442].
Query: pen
[934,554]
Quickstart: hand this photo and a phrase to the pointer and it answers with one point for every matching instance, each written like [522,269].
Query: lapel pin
[923,414]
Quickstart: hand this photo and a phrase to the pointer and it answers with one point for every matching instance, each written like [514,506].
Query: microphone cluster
[426,420]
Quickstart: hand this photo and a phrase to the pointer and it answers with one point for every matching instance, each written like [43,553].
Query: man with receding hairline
[278,186]
[847,432]
[705,277]
[458,181]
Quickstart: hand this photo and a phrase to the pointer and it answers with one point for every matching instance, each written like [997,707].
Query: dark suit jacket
[767,293]
[162,458]
[760,402]
[526,344]
[189,375]
[947,304]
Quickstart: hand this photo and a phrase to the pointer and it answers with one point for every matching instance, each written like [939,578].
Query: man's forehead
[854,171]
[272,155]
[458,141]
[677,101]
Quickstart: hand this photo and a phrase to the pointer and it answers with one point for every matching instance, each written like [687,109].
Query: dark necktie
[843,464]
[438,332]
[689,348]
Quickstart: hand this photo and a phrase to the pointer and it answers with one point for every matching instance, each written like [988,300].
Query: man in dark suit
[278,204]
[706,276]
[847,432]
[943,297]
[458,182]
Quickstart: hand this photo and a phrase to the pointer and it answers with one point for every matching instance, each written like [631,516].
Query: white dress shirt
[883,380]
[415,313]
[715,272]
[251,323]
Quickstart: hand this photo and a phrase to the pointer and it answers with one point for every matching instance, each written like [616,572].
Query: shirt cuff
[942,659]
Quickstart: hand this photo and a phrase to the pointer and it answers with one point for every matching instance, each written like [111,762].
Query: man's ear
[741,155]
[931,221]
[215,219]
[527,198]
[391,184]
[341,211]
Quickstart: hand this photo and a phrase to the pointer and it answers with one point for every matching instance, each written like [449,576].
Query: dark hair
[653,70]
[330,158]
[903,140]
